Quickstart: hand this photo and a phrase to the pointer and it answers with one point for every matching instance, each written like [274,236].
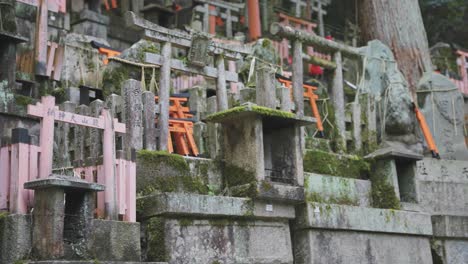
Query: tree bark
[398,24]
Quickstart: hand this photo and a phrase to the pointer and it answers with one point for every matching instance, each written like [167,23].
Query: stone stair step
[337,190]
[348,166]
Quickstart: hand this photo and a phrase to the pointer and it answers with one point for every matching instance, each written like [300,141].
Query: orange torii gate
[309,94]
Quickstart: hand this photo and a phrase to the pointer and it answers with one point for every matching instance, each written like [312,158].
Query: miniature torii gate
[299,37]
[317,6]
[49,113]
[199,49]
[210,13]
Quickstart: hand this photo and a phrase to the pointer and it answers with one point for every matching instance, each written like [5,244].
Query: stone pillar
[265,90]
[95,135]
[338,101]
[133,116]
[149,126]
[91,23]
[164,90]
[221,93]
[297,78]
[48,215]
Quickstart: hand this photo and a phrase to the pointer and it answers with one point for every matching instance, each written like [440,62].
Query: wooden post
[19,175]
[221,93]
[254,19]
[41,38]
[4,177]
[164,90]
[338,100]
[131,191]
[46,138]
[206,18]
[109,166]
[212,23]
[297,78]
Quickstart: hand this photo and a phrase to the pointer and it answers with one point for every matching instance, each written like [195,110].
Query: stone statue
[442,105]
[383,81]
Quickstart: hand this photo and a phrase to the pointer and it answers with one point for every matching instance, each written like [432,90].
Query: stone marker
[442,105]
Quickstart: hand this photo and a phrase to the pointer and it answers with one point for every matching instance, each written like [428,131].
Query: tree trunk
[398,24]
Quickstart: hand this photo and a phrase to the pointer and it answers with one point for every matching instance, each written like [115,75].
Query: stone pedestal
[91,23]
[63,213]
[15,237]
[262,146]
[398,169]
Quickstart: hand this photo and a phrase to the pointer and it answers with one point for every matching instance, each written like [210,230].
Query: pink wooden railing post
[4,177]
[46,139]
[131,191]
[19,175]
[109,166]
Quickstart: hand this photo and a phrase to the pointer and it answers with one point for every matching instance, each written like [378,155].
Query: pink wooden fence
[463,68]
[22,162]
[18,164]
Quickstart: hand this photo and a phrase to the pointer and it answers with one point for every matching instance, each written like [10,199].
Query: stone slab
[333,246]
[90,262]
[115,240]
[456,251]
[64,182]
[450,226]
[15,237]
[184,204]
[272,119]
[203,242]
[344,217]
[280,192]
[442,186]
[332,189]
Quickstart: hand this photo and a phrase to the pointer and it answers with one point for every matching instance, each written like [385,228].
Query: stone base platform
[190,228]
[327,233]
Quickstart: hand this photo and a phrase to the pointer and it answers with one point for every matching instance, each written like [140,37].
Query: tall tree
[398,24]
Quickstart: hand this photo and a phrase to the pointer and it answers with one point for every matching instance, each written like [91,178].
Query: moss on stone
[349,166]
[241,182]
[155,239]
[175,161]
[265,111]
[181,181]
[184,183]
[185,222]
[23,100]
[113,78]
[383,194]
[318,144]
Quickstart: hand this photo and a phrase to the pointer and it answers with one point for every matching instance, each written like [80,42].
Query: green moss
[155,238]
[181,181]
[184,183]
[241,182]
[250,108]
[173,160]
[185,222]
[113,78]
[318,144]
[349,166]
[345,199]
[220,222]
[383,194]
[23,100]
[151,48]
